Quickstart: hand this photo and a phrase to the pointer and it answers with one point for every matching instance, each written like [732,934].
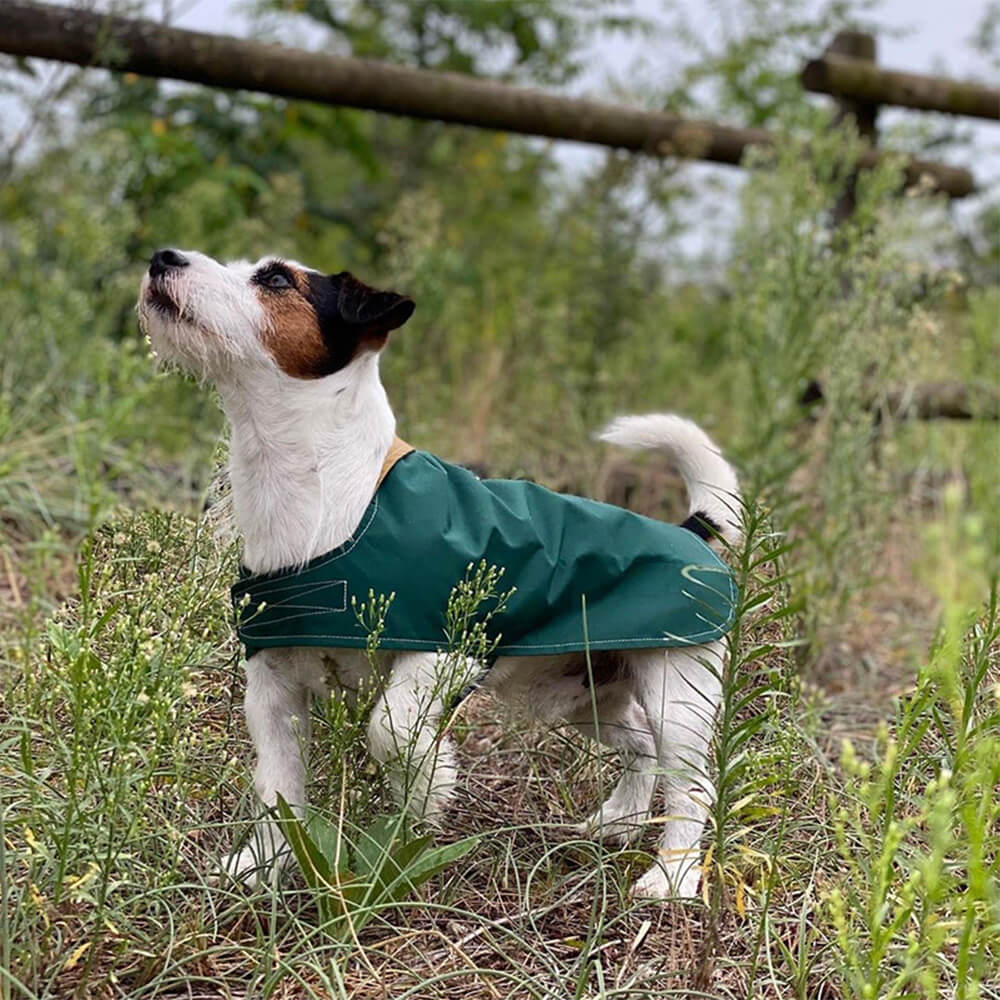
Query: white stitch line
[263,595]
[306,586]
[303,611]
[621,643]
[287,577]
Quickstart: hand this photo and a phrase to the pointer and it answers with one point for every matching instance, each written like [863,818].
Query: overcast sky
[937,36]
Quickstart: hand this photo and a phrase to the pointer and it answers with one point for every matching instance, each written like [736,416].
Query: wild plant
[752,749]
[101,735]
[356,873]
[355,867]
[841,307]
[917,912]
[835,307]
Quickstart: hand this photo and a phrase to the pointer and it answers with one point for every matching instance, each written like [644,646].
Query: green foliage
[919,905]
[354,882]
[914,905]
[842,307]
[751,74]
[542,40]
[472,604]
[77,400]
[102,748]
[751,749]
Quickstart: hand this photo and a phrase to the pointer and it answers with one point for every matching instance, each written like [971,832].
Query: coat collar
[397,450]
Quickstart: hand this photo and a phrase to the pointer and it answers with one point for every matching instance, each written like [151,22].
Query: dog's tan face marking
[292,335]
[319,323]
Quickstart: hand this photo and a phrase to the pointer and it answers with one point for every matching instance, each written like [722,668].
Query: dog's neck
[304,469]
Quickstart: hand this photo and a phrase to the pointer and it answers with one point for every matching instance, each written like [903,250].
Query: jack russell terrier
[613,623]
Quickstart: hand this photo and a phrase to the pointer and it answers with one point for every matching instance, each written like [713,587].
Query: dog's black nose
[163,260]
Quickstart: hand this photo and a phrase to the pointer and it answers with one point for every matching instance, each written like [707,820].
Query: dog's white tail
[711,481]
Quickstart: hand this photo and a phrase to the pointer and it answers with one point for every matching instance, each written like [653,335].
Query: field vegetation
[854,849]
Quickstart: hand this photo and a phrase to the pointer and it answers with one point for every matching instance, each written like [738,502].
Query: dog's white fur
[305,456]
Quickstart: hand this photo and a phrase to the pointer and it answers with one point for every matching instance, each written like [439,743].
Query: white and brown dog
[295,356]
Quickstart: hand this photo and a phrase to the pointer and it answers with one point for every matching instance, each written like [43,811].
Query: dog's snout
[164,260]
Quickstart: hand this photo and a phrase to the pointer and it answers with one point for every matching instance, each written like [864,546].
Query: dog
[294,354]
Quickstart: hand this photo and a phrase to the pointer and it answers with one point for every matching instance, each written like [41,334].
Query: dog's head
[217,320]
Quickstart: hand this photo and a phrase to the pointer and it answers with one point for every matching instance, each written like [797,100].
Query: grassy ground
[125,778]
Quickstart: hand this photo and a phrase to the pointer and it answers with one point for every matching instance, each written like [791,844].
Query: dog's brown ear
[371,312]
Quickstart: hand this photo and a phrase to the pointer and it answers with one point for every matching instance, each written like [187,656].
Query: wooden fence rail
[152,49]
[862,80]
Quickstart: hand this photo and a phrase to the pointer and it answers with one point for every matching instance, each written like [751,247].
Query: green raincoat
[587,574]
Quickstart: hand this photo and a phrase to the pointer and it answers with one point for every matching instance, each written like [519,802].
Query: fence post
[856,45]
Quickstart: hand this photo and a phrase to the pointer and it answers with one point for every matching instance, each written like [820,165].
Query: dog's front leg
[403,734]
[279,683]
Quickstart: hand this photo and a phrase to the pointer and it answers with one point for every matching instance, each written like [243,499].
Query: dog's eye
[276,279]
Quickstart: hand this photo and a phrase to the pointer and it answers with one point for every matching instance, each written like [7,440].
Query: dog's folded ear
[351,317]
[370,311]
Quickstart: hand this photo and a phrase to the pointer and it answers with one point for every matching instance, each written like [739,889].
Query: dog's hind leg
[680,690]
[624,727]
[403,734]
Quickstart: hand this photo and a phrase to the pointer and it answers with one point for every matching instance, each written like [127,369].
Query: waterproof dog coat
[586,575]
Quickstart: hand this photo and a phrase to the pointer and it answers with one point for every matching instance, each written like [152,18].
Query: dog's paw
[678,881]
[619,831]
[426,791]
[251,868]
[244,867]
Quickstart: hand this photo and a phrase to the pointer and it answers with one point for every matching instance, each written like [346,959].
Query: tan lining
[397,450]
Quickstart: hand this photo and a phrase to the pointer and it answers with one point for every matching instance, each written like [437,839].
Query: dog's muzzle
[164,261]
[162,265]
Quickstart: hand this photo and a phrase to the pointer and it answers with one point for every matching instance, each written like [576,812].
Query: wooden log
[861,47]
[944,400]
[859,80]
[947,399]
[151,49]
